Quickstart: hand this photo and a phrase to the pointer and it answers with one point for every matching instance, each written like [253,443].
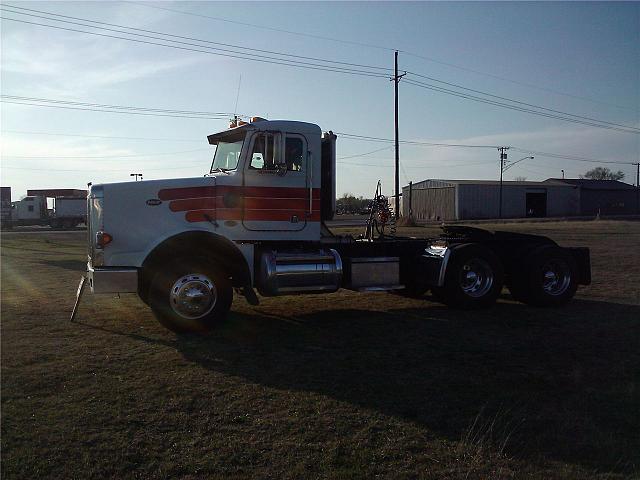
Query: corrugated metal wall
[478,201]
[437,203]
[437,199]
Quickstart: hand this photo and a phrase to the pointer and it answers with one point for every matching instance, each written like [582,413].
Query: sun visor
[232,133]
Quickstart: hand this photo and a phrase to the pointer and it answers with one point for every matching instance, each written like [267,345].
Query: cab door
[277,193]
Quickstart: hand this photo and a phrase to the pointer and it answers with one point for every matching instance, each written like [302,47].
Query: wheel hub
[556,277]
[193,296]
[476,278]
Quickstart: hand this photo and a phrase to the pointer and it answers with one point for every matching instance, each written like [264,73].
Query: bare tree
[603,173]
[520,179]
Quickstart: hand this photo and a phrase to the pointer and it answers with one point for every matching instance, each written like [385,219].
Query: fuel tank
[287,273]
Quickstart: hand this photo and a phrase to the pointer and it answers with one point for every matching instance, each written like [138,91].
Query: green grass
[340,386]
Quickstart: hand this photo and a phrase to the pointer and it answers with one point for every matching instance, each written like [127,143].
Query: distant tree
[520,179]
[348,203]
[603,173]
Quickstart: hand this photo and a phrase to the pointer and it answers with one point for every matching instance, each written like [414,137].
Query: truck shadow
[562,384]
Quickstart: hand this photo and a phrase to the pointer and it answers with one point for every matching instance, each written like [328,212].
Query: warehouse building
[480,199]
[604,197]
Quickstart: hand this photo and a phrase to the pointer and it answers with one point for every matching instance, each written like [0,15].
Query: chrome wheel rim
[193,296]
[556,277]
[476,278]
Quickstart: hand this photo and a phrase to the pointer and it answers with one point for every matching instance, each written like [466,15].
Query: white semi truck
[256,222]
[67,212]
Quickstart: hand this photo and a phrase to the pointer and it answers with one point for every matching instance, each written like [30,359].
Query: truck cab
[255,221]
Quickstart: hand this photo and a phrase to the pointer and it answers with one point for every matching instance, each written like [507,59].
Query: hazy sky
[580,58]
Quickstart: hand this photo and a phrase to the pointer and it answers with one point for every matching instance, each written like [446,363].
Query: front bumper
[112,279]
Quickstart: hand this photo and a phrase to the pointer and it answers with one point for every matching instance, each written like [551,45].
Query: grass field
[339,386]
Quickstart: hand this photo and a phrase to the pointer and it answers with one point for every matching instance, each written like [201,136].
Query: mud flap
[79,293]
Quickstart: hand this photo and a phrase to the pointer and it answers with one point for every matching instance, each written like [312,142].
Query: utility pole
[503,157]
[638,187]
[396,79]
[136,175]
[562,174]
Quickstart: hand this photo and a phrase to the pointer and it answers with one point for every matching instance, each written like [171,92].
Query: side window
[294,154]
[265,154]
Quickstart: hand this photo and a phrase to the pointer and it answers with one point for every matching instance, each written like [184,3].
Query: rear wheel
[473,279]
[550,278]
[190,295]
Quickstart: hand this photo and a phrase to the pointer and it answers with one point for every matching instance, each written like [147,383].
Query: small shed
[480,199]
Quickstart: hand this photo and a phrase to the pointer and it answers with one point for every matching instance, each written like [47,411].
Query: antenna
[235,109]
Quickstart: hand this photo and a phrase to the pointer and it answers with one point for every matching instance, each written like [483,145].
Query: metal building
[480,199]
[604,197]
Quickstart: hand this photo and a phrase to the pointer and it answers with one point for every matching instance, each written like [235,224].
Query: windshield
[228,153]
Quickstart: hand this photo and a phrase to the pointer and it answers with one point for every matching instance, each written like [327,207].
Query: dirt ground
[338,386]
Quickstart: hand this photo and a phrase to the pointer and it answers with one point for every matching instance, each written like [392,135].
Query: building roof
[433,182]
[588,184]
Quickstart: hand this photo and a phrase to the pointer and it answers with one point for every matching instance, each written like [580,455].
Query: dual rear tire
[549,278]
[473,279]
[546,277]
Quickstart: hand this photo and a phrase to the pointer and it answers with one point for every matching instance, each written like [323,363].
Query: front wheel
[473,279]
[190,295]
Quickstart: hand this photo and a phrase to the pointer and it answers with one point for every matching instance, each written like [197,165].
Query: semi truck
[256,223]
[67,212]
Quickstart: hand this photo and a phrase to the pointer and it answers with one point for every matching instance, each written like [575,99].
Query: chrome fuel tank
[286,273]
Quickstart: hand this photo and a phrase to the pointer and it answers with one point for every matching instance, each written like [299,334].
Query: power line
[249,56]
[522,103]
[363,154]
[380,47]
[273,29]
[31,104]
[239,55]
[119,107]
[518,108]
[570,157]
[68,157]
[353,136]
[94,171]
[179,36]
[24,132]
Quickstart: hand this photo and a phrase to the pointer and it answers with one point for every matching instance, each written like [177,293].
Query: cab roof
[266,125]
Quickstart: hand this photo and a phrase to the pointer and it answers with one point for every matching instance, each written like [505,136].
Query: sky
[573,57]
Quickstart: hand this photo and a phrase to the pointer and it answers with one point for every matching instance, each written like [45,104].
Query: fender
[220,250]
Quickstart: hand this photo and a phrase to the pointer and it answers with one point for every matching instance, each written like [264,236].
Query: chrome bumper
[112,280]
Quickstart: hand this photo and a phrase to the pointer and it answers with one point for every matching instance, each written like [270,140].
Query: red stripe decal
[250,215]
[191,192]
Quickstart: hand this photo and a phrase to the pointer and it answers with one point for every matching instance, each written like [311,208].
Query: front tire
[190,295]
[473,279]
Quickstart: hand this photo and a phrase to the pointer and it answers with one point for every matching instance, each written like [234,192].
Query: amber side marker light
[103,239]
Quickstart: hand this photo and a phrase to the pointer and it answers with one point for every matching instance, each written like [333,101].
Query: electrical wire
[380,47]
[179,36]
[520,109]
[94,171]
[65,157]
[250,56]
[118,107]
[110,111]
[241,56]
[24,132]
[570,157]
[523,103]
[353,136]
[364,154]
